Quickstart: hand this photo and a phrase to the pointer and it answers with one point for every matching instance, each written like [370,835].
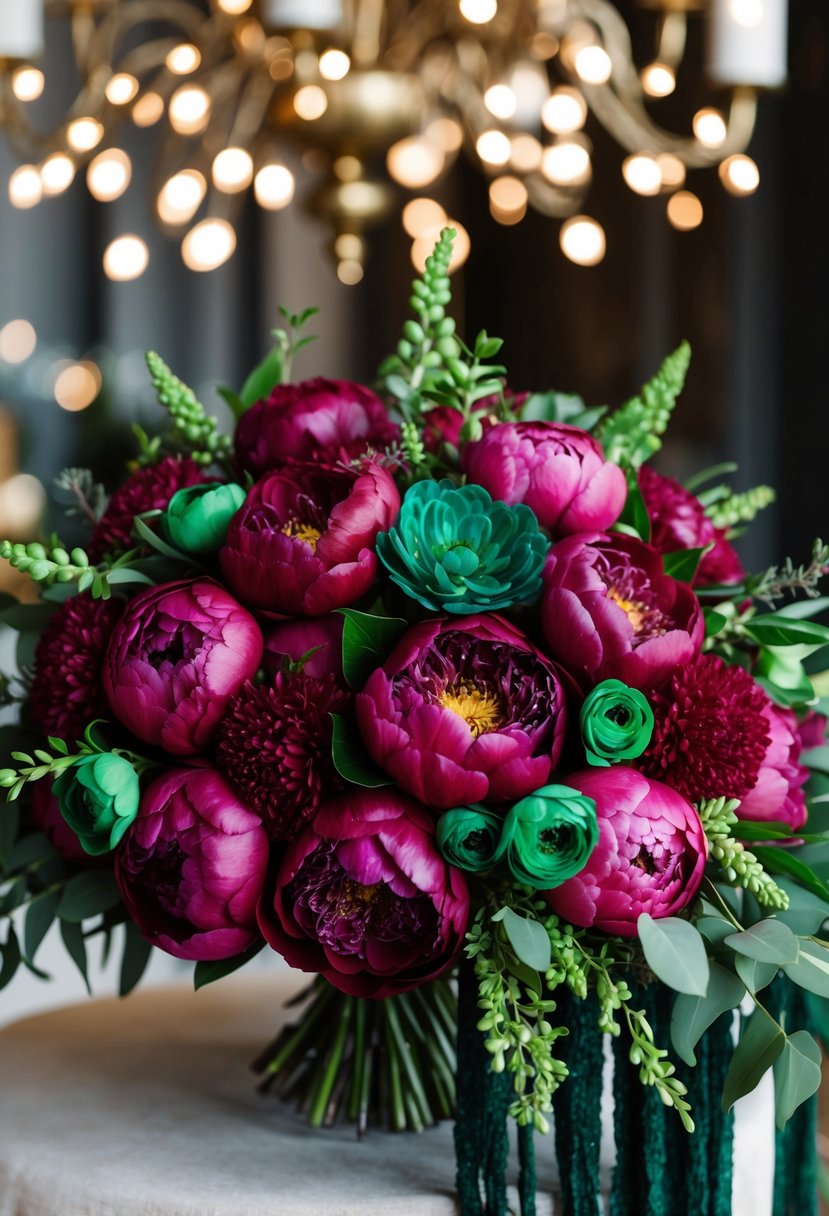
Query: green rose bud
[616,723]
[98,797]
[468,837]
[549,836]
[197,517]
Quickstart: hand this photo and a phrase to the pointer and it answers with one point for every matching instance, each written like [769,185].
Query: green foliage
[51,565]
[633,433]
[777,582]
[739,867]
[675,953]
[52,763]
[88,894]
[734,509]
[561,407]
[797,1073]
[88,498]
[528,938]
[767,941]
[684,564]
[693,1015]
[760,1044]
[206,973]
[194,431]
[367,642]
[349,756]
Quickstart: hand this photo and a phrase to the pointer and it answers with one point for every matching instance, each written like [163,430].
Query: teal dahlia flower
[454,549]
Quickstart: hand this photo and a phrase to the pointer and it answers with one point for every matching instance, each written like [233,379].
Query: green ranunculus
[549,836]
[616,723]
[197,517]
[455,550]
[468,837]
[98,797]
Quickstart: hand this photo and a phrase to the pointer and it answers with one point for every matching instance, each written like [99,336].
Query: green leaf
[684,564]
[806,912]
[367,642]
[39,917]
[692,1015]
[233,401]
[142,529]
[714,929]
[803,609]
[528,938]
[816,758]
[769,941]
[675,953]
[715,622]
[350,759]
[785,861]
[706,475]
[134,960]
[27,618]
[208,973]
[90,893]
[774,629]
[11,958]
[797,1075]
[811,971]
[9,825]
[264,377]
[754,975]
[761,1043]
[635,513]
[73,940]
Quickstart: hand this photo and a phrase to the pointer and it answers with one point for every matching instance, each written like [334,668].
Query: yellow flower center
[302,531]
[633,609]
[481,711]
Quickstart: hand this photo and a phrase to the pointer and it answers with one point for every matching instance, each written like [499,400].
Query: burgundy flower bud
[192,866]
[178,655]
[303,543]
[365,898]
[558,470]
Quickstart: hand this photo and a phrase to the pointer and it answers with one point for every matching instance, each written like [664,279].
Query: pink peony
[148,489]
[650,857]
[365,898]
[178,655]
[315,420]
[303,543]
[559,471]
[777,795]
[678,521]
[464,710]
[192,866]
[609,612]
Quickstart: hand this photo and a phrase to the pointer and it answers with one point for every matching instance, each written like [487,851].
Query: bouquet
[445,695]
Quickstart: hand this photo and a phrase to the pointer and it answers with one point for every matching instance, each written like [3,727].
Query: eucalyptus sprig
[740,868]
[194,431]
[42,763]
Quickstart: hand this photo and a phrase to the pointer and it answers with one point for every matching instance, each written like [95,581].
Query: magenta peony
[192,866]
[175,659]
[464,710]
[303,543]
[559,471]
[365,898]
[778,794]
[678,521]
[148,489]
[289,641]
[274,744]
[315,420]
[66,693]
[609,612]
[650,856]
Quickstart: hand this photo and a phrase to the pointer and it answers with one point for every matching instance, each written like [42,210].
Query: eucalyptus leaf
[367,642]
[811,970]
[675,952]
[90,893]
[693,1015]
[797,1075]
[754,975]
[714,929]
[806,912]
[761,1042]
[208,972]
[350,759]
[816,758]
[528,938]
[769,941]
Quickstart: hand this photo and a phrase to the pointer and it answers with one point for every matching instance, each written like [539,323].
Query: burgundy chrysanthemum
[274,744]
[710,732]
[66,692]
[148,489]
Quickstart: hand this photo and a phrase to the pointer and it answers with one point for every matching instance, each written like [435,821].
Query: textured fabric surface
[146,1107]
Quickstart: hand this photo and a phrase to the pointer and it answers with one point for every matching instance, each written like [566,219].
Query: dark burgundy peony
[442,424]
[147,489]
[315,420]
[274,744]
[364,897]
[678,521]
[290,641]
[303,543]
[610,612]
[67,693]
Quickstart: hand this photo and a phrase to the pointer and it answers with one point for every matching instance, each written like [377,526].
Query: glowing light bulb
[478,12]
[414,162]
[709,127]
[642,173]
[566,164]
[57,173]
[446,133]
[564,111]
[508,200]
[234,7]
[592,64]
[684,211]
[525,153]
[349,272]
[658,79]
[17,341]
[125,258]
[493,147]
[108,175]
[310,102]
[501,101]
[189,109]
[77,386]
[208,245]
[671,168]
[423,246]
[25,188]
[334,64]
[583,241]
[148,110]
[740,175]
[121,88]
[423,215]
[183,59]
[181,196]
[28,83]
[233,170]
[274,187]
[84,134]
[747,13]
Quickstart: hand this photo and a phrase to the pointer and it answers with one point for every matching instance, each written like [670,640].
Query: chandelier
[374,95]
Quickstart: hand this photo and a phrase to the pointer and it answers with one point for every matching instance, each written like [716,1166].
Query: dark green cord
[577,1104]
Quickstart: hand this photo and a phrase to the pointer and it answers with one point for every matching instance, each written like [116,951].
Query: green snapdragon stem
[795,1158]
